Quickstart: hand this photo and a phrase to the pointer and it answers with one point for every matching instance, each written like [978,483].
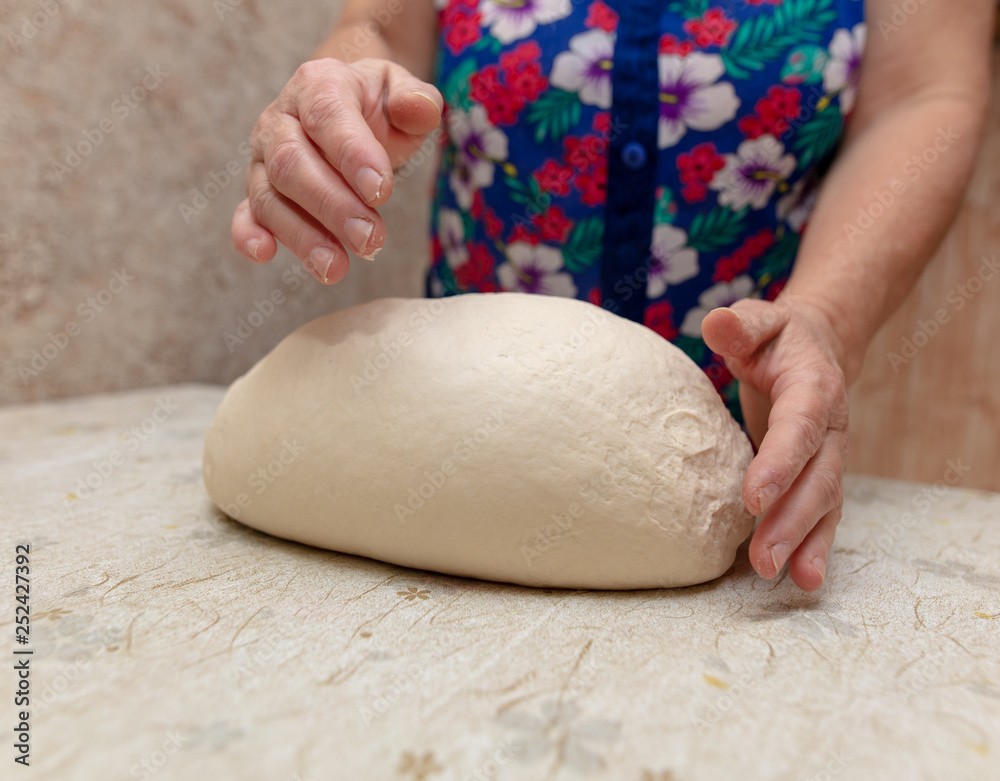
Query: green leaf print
[528,195]
[455,90]
[778,258]
[583,249]
[689,8]
[666,209]
[716,229]
[487,43]
[695,348]
[817,137]
[766,37]
[553,114]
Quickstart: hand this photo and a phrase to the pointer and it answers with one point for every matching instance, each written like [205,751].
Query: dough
[519,438]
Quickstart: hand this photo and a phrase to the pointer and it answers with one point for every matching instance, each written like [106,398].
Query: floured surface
[154,616]
[525,439]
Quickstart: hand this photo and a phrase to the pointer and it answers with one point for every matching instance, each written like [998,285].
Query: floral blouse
[657,158]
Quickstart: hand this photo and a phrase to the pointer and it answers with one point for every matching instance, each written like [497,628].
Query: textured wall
[67,231]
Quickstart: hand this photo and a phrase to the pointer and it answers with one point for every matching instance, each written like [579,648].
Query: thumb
[412,106]
[740,330]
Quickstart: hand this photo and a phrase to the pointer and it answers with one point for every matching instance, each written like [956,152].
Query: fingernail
[779,555]
[359,231]
[735,313]
[321,259]
[820,564]
[426,97]
[370,184]
[252,246]
[767,496]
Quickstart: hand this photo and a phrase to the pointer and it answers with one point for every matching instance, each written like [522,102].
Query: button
[634,155]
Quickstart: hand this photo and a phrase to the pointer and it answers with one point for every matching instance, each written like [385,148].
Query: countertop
[171,642]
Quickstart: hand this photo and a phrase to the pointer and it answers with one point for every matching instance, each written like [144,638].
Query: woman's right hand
[322,162]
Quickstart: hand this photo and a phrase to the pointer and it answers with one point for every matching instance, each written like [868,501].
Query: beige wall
[61,242]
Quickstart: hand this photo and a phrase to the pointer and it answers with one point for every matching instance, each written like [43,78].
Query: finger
[817,491]
[320,252]
[802,411]
[298,171]
[740,330]
[251,240]
[340,115]
[808,563]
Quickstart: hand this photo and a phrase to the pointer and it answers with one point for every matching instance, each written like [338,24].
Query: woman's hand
[323,155]
[787,358]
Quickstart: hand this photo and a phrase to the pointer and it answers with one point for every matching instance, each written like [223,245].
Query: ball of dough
[519,438]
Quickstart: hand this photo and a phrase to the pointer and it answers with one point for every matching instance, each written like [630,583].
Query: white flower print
[586,67]
[840,74]
[451,233]
[795,207]
[752,174]
[690,98]
[479,145]
[722,294]
[535,269]
[511,20]
[671,262]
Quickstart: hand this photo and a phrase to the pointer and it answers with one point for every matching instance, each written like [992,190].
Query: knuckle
[283,160]
[263,199]
[830,489]
[322,111]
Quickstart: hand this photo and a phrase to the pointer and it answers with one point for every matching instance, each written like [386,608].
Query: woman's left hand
[787,358]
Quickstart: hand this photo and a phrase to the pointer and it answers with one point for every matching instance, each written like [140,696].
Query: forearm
[403,31]
[884,208]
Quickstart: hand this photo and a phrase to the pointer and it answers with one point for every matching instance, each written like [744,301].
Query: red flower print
[697,168]
[477,205]
[461,30]
[527,83]
[593,186]
[660,318]
[524,54]
[602,122]
[786,102]
[731,266]
[775,290]
[761,2]
[773,111]
[485,83]
[718,373]
[694,193]
[713,29]
[554,178]
[553,224]
[521,233]
[670,45]
[602,16]
[594,296]
[494,225]
[503,107]
[582,153]
[477,269]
